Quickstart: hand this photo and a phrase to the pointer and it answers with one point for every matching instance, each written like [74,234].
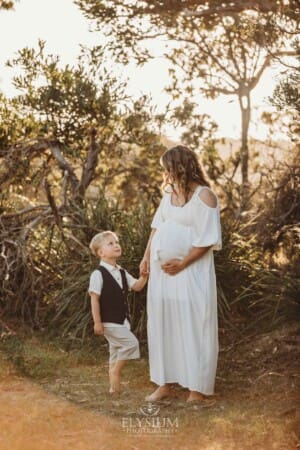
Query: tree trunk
[245,107]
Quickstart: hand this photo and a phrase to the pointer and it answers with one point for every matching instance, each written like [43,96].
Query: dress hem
[184,386]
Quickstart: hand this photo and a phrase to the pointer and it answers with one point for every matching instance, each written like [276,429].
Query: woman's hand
[145,266]
[173,266]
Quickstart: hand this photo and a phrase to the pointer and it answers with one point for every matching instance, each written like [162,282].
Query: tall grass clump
[247,286]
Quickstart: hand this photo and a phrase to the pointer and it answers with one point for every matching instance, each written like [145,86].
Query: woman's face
[168,177]
[167,174]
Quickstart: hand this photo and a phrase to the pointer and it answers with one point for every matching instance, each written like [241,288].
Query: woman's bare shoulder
[208,197]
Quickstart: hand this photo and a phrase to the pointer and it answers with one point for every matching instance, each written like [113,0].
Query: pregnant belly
[171,241]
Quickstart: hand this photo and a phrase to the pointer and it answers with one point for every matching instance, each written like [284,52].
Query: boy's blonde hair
[98,239]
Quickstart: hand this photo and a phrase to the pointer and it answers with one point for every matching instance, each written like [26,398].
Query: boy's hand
[99,328]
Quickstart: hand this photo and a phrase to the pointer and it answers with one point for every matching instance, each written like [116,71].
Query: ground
[56,398]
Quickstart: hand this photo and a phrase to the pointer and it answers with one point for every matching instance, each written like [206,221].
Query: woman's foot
[160,393]
[195,396]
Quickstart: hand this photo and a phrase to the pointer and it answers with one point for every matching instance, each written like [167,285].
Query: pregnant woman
[182,297]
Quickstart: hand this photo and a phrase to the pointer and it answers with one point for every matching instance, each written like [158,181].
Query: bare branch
[23,211]
[52,203]
[267,63]
[227,31]
[90,164]
[64,187]
[63,164]
[34,223]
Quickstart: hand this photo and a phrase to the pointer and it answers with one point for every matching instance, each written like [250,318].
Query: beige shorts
[123,344]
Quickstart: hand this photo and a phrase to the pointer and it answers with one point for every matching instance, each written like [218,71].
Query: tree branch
[52,203]
[267,63]
[90,164]
[63,163]
[237,7]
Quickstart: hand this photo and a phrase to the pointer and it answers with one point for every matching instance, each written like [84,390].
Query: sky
[62,25]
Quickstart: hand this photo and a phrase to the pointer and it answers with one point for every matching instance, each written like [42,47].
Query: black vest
[113,298]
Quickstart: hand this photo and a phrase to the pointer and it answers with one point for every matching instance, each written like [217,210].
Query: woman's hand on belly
[173,266]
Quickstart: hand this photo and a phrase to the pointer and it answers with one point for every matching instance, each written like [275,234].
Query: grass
[255,405]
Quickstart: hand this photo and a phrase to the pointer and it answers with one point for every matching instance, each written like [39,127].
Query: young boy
[108,288]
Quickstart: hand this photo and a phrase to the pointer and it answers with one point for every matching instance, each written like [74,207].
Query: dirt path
[67,406]
[32,419]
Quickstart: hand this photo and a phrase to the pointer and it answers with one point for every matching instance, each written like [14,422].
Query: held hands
[173,266]
[145,267]
[99,328]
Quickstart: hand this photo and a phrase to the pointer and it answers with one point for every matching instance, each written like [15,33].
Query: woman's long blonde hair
[183,167]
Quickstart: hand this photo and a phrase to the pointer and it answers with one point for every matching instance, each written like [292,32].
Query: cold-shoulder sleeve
[158,217]
[207,225]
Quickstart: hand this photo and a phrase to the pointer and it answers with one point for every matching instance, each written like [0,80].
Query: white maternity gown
[182,309]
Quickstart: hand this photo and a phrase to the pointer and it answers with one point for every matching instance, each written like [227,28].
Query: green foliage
[209,33]
[124,20]
[66,104]
[66,101]
[199,128]
[263,295]
[260,278]
[286,96]
[278,222]
[14,125]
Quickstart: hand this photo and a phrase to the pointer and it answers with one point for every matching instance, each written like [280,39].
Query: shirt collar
[109,266]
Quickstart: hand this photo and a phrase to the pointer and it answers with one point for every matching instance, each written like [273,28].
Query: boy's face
[110,248]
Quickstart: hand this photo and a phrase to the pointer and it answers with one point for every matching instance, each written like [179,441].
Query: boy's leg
[115,376]
[126,347]
[111,377]
[113,355]
[129,345]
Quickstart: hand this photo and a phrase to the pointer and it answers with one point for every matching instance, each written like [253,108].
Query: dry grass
[67,405]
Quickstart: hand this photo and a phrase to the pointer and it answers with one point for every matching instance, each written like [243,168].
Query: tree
[69,142]
[221,49]
[82,113]
[226,61]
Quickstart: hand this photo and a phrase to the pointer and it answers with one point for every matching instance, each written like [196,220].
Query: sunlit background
[64,28]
